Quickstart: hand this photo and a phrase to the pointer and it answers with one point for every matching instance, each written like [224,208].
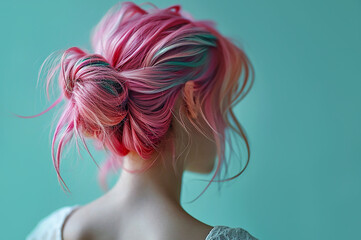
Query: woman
[157,95]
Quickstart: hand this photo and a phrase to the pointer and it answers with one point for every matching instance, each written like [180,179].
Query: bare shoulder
[73,225]
[76,225]
[95,221]
[199,232]
[184,226]
[196,229]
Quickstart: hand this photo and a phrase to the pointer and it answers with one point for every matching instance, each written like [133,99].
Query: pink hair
[123,94]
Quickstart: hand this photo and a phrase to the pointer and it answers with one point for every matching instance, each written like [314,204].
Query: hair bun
[78,66]
[97,90]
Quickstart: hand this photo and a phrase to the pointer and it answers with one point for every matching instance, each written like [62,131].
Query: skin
[147,206]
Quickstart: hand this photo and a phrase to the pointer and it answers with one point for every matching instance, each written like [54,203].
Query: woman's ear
[188,93]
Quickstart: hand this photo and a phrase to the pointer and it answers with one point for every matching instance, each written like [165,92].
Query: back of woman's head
[122,95]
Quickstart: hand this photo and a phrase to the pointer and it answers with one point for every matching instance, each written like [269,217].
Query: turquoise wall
[302,117]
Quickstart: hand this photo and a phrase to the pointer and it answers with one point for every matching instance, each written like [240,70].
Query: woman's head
[151,71]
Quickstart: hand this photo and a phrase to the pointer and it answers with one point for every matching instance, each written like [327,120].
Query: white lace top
[50,228]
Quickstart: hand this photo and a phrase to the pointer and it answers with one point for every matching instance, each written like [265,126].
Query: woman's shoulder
[50,227]
[229,233]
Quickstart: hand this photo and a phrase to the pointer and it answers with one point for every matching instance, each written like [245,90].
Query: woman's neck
[159,183]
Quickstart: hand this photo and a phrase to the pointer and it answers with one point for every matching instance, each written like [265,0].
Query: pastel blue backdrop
[302,117]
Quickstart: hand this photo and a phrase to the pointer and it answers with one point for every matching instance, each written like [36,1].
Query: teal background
[302,117]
